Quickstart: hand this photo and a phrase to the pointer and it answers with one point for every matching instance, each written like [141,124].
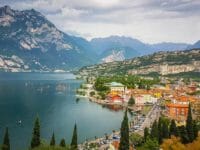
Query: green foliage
[53,141]
[124,131]
[150,144]
[74,142]
[36,134]
[92,93]
[189,125]
[173,128]
[136,139]
[6,141]
[62,143]
[129,81]
[131,101]
[146,134]
[160,134]
[165,130]
[183,134]
[195,128]
[154,130]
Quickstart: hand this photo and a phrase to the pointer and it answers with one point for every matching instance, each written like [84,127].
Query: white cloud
[149,20]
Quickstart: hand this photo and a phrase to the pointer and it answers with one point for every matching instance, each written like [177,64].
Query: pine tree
[189,125]
[124,131]
[160,136]
[183,134]
[6,141]
[131,101]
[74,143]
[62,143]
[195,128]
[173,128]
[53,141]
[154,130]
[146,133]
[165,130]
[36,134]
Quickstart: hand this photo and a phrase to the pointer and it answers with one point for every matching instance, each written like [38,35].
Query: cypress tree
[6,141]
[62,143]
[195,128]
[154,130]
[160,136]
[173,128]
[131,101]
[36,134]
[183,134]
[146,133]
[53,141]
[124,131]
[165,130]
[74,143]
[189,125]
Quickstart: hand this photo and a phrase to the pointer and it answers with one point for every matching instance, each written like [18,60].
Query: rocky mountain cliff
[162,63]
[30,42]
[30,37]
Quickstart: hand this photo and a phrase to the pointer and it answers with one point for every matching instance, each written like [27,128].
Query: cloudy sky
[151,21]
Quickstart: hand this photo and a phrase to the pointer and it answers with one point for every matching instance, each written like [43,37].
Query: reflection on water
[52,98]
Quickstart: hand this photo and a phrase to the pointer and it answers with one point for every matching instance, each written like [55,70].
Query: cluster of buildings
[120,94]
[175,98]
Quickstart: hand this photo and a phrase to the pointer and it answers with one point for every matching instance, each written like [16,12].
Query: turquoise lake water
[51,96]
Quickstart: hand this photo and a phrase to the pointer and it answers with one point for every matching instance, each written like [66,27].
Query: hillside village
[166,98]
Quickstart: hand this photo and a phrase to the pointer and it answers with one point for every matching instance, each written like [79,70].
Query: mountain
[30,42]
[163,63]
[129,47]
[168,46]
[28,36]
[194,46]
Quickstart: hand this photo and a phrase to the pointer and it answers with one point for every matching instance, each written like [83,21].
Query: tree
[36,134]
[53,141]
[131,101]
[183,134]
[74,143]
[189,125]
[160,135]
[165,131]
[173,143]
[6,141]
[151,144]
[154,130]
[124,131]
[173,128]
[92,93]
[195,128]
[146,133]
[62,143]
[136,139]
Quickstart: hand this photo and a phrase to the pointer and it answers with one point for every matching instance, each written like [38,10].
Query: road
[153,115]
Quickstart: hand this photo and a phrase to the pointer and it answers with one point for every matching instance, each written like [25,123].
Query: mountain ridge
[30,37]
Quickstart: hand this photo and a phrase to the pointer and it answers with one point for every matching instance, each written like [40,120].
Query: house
[116,99]
[142,99]
[117,88]
[178,107]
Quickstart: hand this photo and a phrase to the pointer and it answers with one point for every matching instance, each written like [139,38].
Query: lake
[51,96]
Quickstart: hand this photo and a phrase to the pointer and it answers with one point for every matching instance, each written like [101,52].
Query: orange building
[178,107]
[177,111]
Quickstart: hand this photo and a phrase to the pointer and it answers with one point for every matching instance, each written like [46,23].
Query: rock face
[163,63]
[165,69]
[31,37]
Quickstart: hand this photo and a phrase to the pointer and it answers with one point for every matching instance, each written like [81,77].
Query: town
[147,98]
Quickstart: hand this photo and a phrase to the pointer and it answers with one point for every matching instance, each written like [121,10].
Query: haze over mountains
[30,42]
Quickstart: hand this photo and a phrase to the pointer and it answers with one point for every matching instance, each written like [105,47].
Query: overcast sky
[151,21]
